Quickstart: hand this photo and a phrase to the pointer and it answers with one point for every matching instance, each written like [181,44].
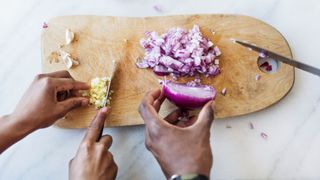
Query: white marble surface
[292,150]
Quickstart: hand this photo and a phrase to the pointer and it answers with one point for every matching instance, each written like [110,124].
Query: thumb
[72,103]
[206,116]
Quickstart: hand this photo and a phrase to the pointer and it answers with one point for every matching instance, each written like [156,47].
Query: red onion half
[188,97]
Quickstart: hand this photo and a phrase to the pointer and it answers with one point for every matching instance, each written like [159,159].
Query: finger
[63,84]
[106,140]
[114,171]
[206,116]
[72,103]
[146,108]
[59,74]
[158,102]
[96,125]
[152,96]
[172,118]
[76,93]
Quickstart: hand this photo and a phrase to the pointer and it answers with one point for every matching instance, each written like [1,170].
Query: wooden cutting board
[100,39]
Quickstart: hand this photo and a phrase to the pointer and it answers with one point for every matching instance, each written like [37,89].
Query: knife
[281,58]
[114,67]
[108,88]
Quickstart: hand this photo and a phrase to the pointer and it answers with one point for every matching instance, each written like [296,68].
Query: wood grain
[100,39]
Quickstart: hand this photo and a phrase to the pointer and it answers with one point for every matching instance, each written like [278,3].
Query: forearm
[11,131]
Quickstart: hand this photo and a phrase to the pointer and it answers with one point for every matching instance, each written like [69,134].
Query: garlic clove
[69,36]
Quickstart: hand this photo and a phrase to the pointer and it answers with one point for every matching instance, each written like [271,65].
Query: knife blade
[114,67]
[109,85]
[281,58]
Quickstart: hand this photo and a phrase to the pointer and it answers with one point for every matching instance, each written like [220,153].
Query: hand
[40,106]
[179,147]
[93,160]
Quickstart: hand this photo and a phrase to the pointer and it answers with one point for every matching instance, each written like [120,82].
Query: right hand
[180,147]
[93,160]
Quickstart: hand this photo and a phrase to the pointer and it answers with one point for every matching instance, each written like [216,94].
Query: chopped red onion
[142,65]
[264,135]
[262,55]
[180,52]
[160,81]
[194,83]
[161,70]
[269,68]
[258,77]
[45,25]
[224,91]
[157,8]
[217,51]
[184,116]
[266,66]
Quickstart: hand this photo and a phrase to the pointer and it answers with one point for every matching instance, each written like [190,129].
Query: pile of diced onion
[180,53]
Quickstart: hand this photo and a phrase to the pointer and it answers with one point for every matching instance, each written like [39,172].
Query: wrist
[20,126]
[11,131]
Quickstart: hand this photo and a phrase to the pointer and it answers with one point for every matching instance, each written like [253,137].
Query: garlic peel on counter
[68,60]
[69,36]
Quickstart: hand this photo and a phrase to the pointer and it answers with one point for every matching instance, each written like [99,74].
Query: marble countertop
[292,149]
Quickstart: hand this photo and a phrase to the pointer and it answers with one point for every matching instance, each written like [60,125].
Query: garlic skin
[75,62]
[69,36]
[63,54]
[68,60]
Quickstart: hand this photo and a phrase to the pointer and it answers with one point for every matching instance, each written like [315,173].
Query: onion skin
[177,94]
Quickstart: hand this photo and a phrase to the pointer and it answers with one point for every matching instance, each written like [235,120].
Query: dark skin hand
[41,105]
[179,147]
[93,159]
[46,101]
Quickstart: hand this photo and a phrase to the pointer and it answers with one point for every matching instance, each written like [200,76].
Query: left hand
[40,106]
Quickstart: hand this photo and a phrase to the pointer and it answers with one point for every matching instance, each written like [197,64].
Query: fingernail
[84,102]
[104,110]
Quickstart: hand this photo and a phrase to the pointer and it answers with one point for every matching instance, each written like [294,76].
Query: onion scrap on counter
[180,53]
